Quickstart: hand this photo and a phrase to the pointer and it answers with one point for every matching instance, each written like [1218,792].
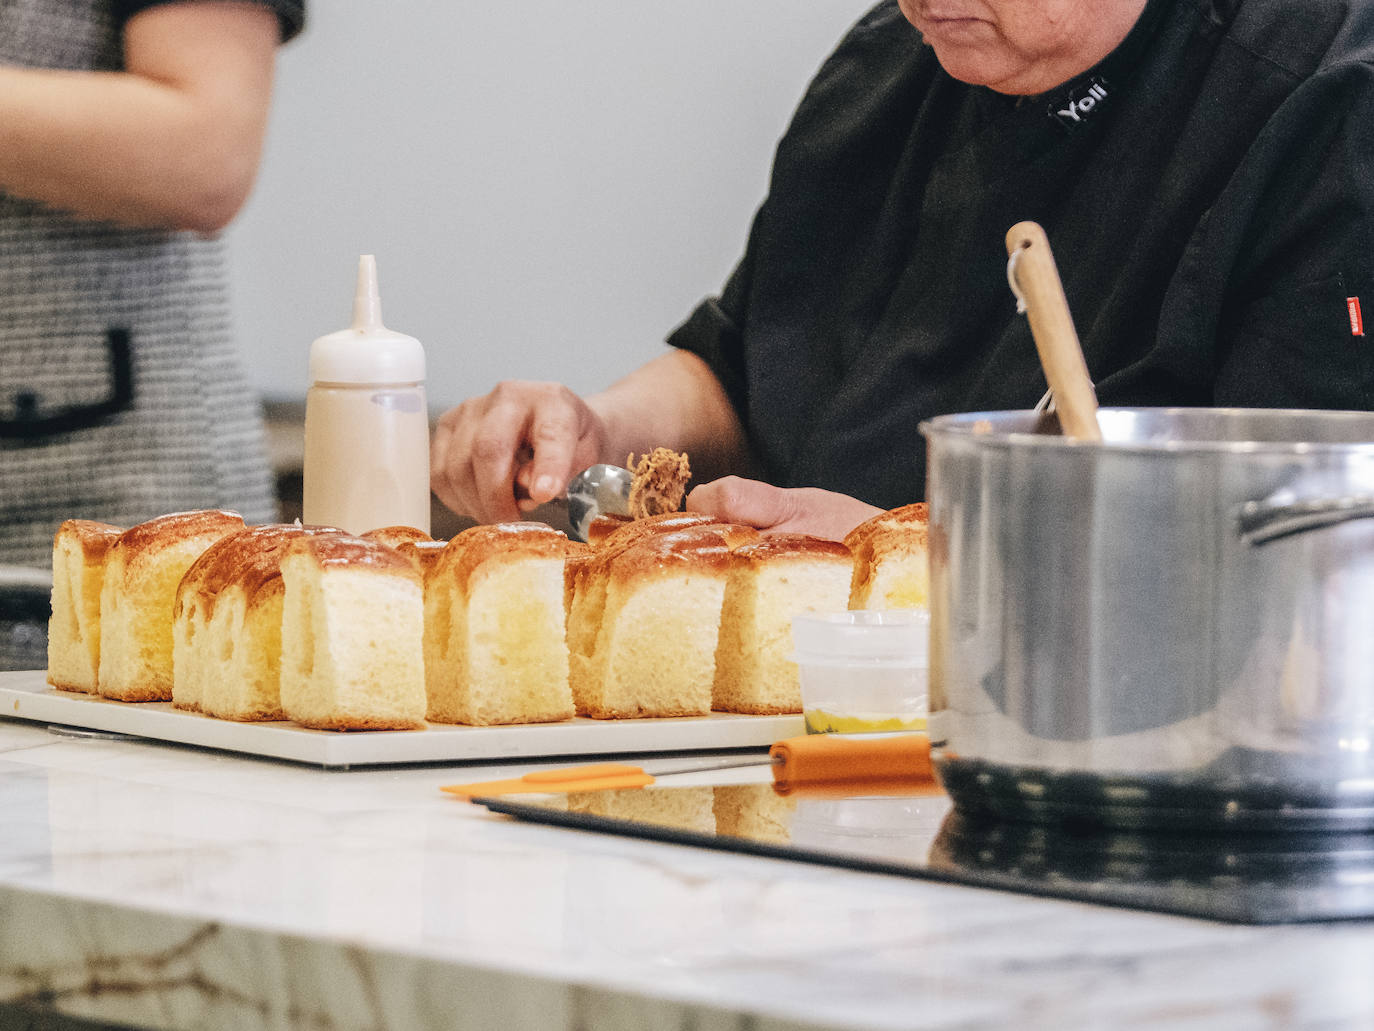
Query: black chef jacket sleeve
[714,333]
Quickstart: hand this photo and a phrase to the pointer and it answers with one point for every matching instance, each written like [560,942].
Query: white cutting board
[26,695]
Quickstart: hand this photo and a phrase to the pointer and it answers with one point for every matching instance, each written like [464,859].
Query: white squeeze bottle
[366,423]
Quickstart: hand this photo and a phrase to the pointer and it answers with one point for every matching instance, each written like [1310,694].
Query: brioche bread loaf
[655,642]
[142,572]
[589,574]
[352,635]
[226,644]
[496,650]
[891,560]
[770,581]
[80,548]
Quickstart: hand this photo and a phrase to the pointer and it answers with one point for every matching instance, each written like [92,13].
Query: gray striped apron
[121,395]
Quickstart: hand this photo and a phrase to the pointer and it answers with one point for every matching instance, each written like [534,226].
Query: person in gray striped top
[130,133]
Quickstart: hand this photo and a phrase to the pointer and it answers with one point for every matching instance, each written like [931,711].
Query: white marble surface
[174,888]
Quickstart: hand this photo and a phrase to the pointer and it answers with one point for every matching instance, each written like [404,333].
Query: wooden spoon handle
[1061,356]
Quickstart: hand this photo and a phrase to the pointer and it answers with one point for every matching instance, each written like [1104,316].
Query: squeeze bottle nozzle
[367,352]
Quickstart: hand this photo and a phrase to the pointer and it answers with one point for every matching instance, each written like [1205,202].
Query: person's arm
[173,141]
[674,401]
[518,446]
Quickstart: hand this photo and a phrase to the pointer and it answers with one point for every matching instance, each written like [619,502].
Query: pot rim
[966,425]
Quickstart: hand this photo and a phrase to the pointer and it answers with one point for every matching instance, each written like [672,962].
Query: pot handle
[1259,522]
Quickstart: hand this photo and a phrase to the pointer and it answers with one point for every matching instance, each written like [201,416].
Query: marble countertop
[173,888]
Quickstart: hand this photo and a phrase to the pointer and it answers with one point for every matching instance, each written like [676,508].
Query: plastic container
[366,423]
[863,672]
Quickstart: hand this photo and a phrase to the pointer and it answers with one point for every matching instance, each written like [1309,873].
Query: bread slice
[80,548]
[496,646]
[891,560]
[137,599]
[589,572]
[770,581]
[227,630]
[193,663]
[603,526]
[352,635]
[655,646]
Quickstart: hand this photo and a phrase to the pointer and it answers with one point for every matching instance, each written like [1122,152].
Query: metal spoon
[597,490]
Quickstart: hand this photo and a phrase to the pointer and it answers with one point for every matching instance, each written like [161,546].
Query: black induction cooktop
[1240,877]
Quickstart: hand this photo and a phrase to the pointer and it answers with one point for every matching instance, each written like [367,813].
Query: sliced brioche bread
[227,642]
[589,576]
[891,560]
[654,653]
[496,650]
[80,548]
[770,581]
[138,598]
[352,635]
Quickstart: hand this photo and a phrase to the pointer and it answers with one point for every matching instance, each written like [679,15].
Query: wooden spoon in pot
[1036,279]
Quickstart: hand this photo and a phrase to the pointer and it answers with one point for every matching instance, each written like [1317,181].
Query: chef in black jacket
[1204,170]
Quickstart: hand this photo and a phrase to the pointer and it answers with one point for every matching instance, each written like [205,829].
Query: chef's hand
[821,513]
[497,456]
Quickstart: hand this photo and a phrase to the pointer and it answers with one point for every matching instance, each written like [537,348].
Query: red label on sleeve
[1352,305]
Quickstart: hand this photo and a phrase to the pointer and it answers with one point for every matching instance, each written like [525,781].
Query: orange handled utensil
[810,759]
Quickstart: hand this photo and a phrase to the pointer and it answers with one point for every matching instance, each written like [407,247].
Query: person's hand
[497,456]
[821,513]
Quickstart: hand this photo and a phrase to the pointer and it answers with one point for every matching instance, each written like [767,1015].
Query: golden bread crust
[397,535]
[424,554]
[634,529]
[702,548]
[504,542]
[774,547]
[603,526]
[358,723]
[913,517]
[95,539]
[250,558]
[341,549]
[144,541]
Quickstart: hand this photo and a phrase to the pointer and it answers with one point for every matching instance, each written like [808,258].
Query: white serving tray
[26,695]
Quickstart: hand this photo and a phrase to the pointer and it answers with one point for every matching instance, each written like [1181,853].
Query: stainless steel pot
[1174,626]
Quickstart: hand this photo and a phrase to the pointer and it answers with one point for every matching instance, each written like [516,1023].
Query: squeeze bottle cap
[367,352]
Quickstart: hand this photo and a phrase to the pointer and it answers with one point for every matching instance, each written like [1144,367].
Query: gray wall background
[549,187]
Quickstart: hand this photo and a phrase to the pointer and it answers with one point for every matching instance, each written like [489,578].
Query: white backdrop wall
[549,187]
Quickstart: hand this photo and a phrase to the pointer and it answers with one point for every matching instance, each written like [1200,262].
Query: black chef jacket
[1207,191]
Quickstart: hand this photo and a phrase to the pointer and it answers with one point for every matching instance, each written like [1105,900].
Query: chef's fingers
[450,465]
[557,429]
[809,510]
[498,437]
